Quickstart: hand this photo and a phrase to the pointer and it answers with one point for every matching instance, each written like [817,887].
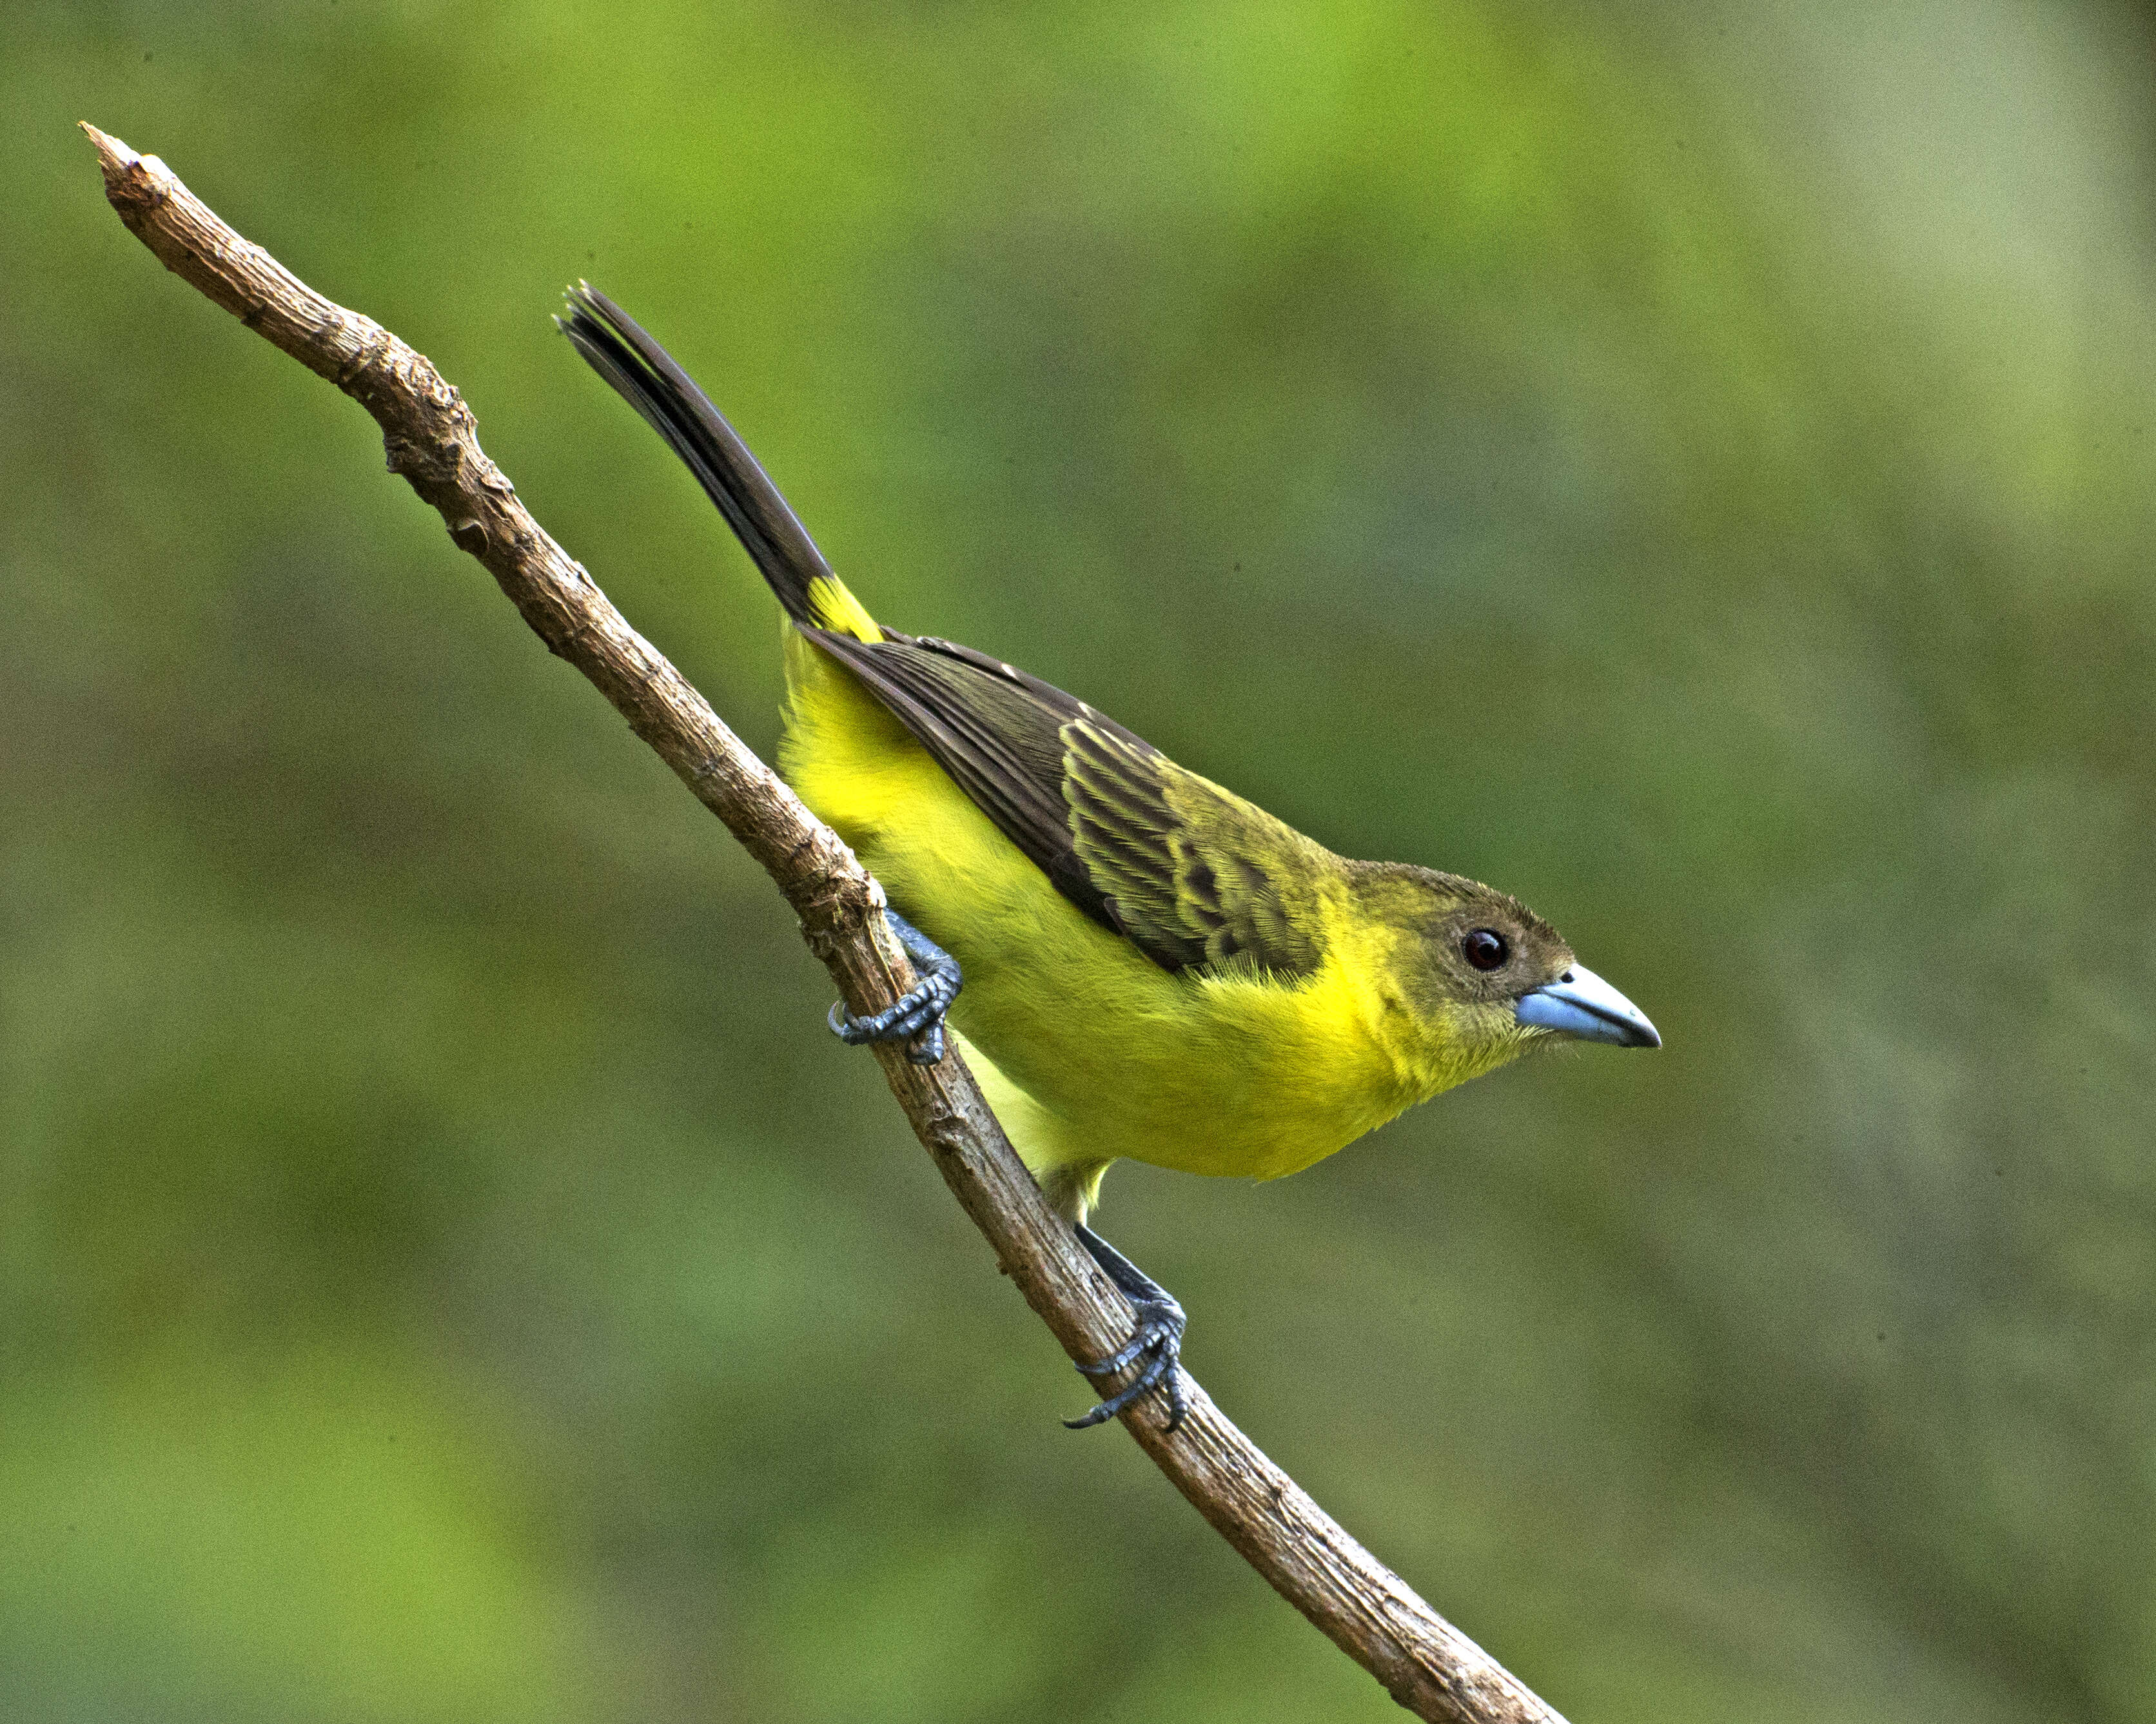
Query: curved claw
[1177,1406]
[1141,1339]
[1159,1333]
[910,1014]
[916,1015]
[1157,1366]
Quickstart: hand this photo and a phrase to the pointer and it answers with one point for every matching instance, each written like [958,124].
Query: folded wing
[1193,876]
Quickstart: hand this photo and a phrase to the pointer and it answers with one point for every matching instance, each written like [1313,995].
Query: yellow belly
[1094,1052]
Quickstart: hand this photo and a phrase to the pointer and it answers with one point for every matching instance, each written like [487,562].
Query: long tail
[645,376]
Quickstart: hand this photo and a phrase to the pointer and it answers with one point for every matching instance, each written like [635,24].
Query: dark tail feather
[645,376]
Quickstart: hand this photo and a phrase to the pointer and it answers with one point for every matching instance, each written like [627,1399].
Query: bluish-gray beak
[1581,1005]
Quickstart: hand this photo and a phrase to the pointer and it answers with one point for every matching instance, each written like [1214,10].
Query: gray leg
[1158,1338]
[919,1011]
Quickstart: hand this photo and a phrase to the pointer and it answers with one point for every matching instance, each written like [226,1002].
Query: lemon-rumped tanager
[1153,967]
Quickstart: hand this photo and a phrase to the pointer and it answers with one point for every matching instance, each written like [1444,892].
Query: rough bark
[1428,1666]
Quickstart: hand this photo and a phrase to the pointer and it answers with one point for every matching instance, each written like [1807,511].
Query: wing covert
[1193,875]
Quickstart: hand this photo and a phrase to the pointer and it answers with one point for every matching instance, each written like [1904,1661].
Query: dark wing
[1190,873]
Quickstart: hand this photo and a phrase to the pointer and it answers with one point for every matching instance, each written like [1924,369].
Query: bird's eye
[1484,948]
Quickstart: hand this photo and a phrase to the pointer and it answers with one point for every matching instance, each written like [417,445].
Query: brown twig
[1426,1665]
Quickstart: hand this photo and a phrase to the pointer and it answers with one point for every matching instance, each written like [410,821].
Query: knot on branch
[373,345]
[835,901]
[433,464]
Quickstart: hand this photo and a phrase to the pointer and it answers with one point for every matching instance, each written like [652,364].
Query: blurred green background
[1691,464]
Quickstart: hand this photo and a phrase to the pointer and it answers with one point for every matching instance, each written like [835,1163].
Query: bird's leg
[919,1011]
[1158,1338]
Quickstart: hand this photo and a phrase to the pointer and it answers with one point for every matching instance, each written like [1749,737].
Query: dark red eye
[1484,948]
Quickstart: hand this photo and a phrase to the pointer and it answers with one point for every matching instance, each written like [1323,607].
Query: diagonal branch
[1426,1665]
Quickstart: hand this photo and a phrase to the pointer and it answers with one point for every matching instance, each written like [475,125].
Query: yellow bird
[1152,967]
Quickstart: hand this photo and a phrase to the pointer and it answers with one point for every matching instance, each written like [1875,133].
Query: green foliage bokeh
[1690,465]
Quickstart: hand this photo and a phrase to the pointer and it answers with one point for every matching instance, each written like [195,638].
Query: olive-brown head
[1481,977]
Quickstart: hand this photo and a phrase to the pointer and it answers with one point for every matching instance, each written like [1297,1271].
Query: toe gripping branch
[916,1013]
[1158,1338]
[917,1016]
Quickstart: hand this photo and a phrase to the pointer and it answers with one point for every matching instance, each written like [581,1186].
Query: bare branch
[1426,1665]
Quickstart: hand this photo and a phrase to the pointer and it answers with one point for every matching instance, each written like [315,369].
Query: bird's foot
[916,1015]
[1156,1338]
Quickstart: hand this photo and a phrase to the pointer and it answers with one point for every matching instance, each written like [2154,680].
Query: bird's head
[1480,978]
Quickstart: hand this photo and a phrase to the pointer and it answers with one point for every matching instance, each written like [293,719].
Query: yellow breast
[1113,1056]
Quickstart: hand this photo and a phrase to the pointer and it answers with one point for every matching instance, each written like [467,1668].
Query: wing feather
[1193,875]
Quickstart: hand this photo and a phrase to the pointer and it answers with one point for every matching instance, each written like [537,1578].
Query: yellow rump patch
[835,608]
